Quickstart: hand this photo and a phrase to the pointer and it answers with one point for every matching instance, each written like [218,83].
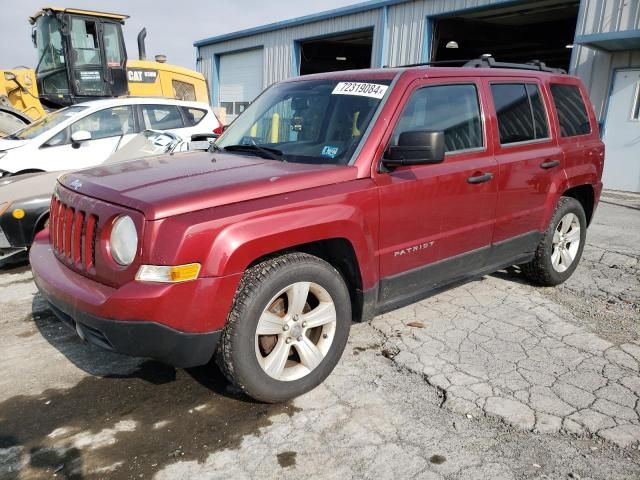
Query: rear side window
[572,113]
[193,116]
[162,117]
[520,111]
[453,109]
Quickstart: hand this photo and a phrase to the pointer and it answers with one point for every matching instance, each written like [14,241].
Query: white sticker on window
[360,89]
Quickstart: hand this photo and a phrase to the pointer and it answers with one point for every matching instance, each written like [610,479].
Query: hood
[170,185]
[30,186]
[8,144]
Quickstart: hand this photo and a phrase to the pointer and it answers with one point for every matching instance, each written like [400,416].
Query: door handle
[550,164]
[485,177]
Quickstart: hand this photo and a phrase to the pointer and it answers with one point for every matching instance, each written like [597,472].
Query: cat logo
[140,75]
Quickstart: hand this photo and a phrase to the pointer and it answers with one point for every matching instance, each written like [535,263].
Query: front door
[436,221]
[622,133]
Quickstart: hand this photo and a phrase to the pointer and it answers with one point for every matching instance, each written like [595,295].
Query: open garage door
[240,81]
[346,51]
[541,30]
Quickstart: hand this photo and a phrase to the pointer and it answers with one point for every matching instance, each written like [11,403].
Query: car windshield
[310,121]
[52,120]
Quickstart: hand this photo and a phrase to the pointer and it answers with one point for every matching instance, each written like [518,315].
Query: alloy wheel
[295,331]
[566,242]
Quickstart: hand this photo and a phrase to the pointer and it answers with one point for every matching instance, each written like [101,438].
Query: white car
[86,134]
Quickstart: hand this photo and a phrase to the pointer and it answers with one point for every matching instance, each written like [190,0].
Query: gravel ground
[494,379]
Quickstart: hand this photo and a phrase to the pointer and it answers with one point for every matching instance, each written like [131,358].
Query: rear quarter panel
[583,155]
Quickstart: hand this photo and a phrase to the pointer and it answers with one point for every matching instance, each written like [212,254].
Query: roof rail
[486,61]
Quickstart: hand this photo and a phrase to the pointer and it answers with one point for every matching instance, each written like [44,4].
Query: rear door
[436,221]
[529,159]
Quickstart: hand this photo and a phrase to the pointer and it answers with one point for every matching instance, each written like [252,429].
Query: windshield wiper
[267,152]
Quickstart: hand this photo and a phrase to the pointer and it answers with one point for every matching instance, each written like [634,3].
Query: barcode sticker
[360,89]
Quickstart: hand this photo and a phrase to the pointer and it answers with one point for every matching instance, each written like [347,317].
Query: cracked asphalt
[495,379]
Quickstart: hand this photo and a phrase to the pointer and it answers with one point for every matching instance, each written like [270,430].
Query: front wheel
[287,328]
[561,246]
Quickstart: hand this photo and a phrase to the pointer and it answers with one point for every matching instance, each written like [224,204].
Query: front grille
[73,235]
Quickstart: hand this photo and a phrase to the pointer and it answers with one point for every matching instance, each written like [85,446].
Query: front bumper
[178,324]
[140,339]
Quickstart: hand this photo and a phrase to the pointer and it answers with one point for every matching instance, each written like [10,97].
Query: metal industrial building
[598,40]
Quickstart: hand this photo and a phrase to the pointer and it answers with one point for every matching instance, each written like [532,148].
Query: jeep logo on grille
[76,184]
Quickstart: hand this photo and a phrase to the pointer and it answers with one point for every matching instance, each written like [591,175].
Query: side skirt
[409,287]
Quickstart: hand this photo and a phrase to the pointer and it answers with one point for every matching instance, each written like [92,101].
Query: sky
[171,30]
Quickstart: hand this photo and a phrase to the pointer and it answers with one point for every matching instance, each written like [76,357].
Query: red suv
[332,198]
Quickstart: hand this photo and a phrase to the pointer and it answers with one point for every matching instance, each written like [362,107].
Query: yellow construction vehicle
[82,56]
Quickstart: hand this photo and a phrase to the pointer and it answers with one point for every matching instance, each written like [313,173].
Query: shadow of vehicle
[132,415]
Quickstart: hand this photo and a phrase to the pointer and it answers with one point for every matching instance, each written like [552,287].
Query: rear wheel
[561,246]
[287,328]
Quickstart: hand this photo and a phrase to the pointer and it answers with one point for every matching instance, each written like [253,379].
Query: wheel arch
[339,253]
[584,194]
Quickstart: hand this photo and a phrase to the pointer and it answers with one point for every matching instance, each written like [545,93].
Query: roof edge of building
[314,17]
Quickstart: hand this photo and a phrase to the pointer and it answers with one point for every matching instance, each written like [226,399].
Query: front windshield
[49,44]
[310,121]
[46,123]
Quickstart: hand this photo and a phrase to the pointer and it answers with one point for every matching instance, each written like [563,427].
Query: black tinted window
[539,114]
[453,109]
[572,113]
[514,113]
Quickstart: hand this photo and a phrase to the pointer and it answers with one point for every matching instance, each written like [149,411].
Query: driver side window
[109,122]
[452,109]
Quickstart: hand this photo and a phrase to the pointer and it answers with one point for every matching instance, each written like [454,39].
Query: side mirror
[78,137]
[416,147]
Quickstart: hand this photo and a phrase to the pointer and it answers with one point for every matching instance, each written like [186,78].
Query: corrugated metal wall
[405,28]
[278,44]
[405,42]
[595,67]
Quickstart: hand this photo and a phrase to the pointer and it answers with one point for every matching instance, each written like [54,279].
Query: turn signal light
[168,274]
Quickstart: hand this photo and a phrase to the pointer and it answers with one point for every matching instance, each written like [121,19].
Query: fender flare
[557,189]
[242,243]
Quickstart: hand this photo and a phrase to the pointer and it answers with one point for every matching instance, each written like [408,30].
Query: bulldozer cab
[81,55]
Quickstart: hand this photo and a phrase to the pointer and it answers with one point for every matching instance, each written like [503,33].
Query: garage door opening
[541,30]
[338,52]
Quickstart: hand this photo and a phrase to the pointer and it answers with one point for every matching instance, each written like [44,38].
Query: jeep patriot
[333,197]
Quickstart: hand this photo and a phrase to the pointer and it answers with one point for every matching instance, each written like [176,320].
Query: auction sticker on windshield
[360,89]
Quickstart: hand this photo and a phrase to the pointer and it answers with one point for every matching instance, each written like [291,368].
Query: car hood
[7,144]
[170,185]
[26,187]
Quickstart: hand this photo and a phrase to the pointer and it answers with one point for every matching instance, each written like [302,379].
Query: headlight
[124,240]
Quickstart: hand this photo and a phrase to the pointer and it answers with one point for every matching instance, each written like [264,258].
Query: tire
[267,367]
[551,265]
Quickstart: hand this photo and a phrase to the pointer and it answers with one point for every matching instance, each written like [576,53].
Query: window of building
[162,117]
[453,109]
[572,113]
